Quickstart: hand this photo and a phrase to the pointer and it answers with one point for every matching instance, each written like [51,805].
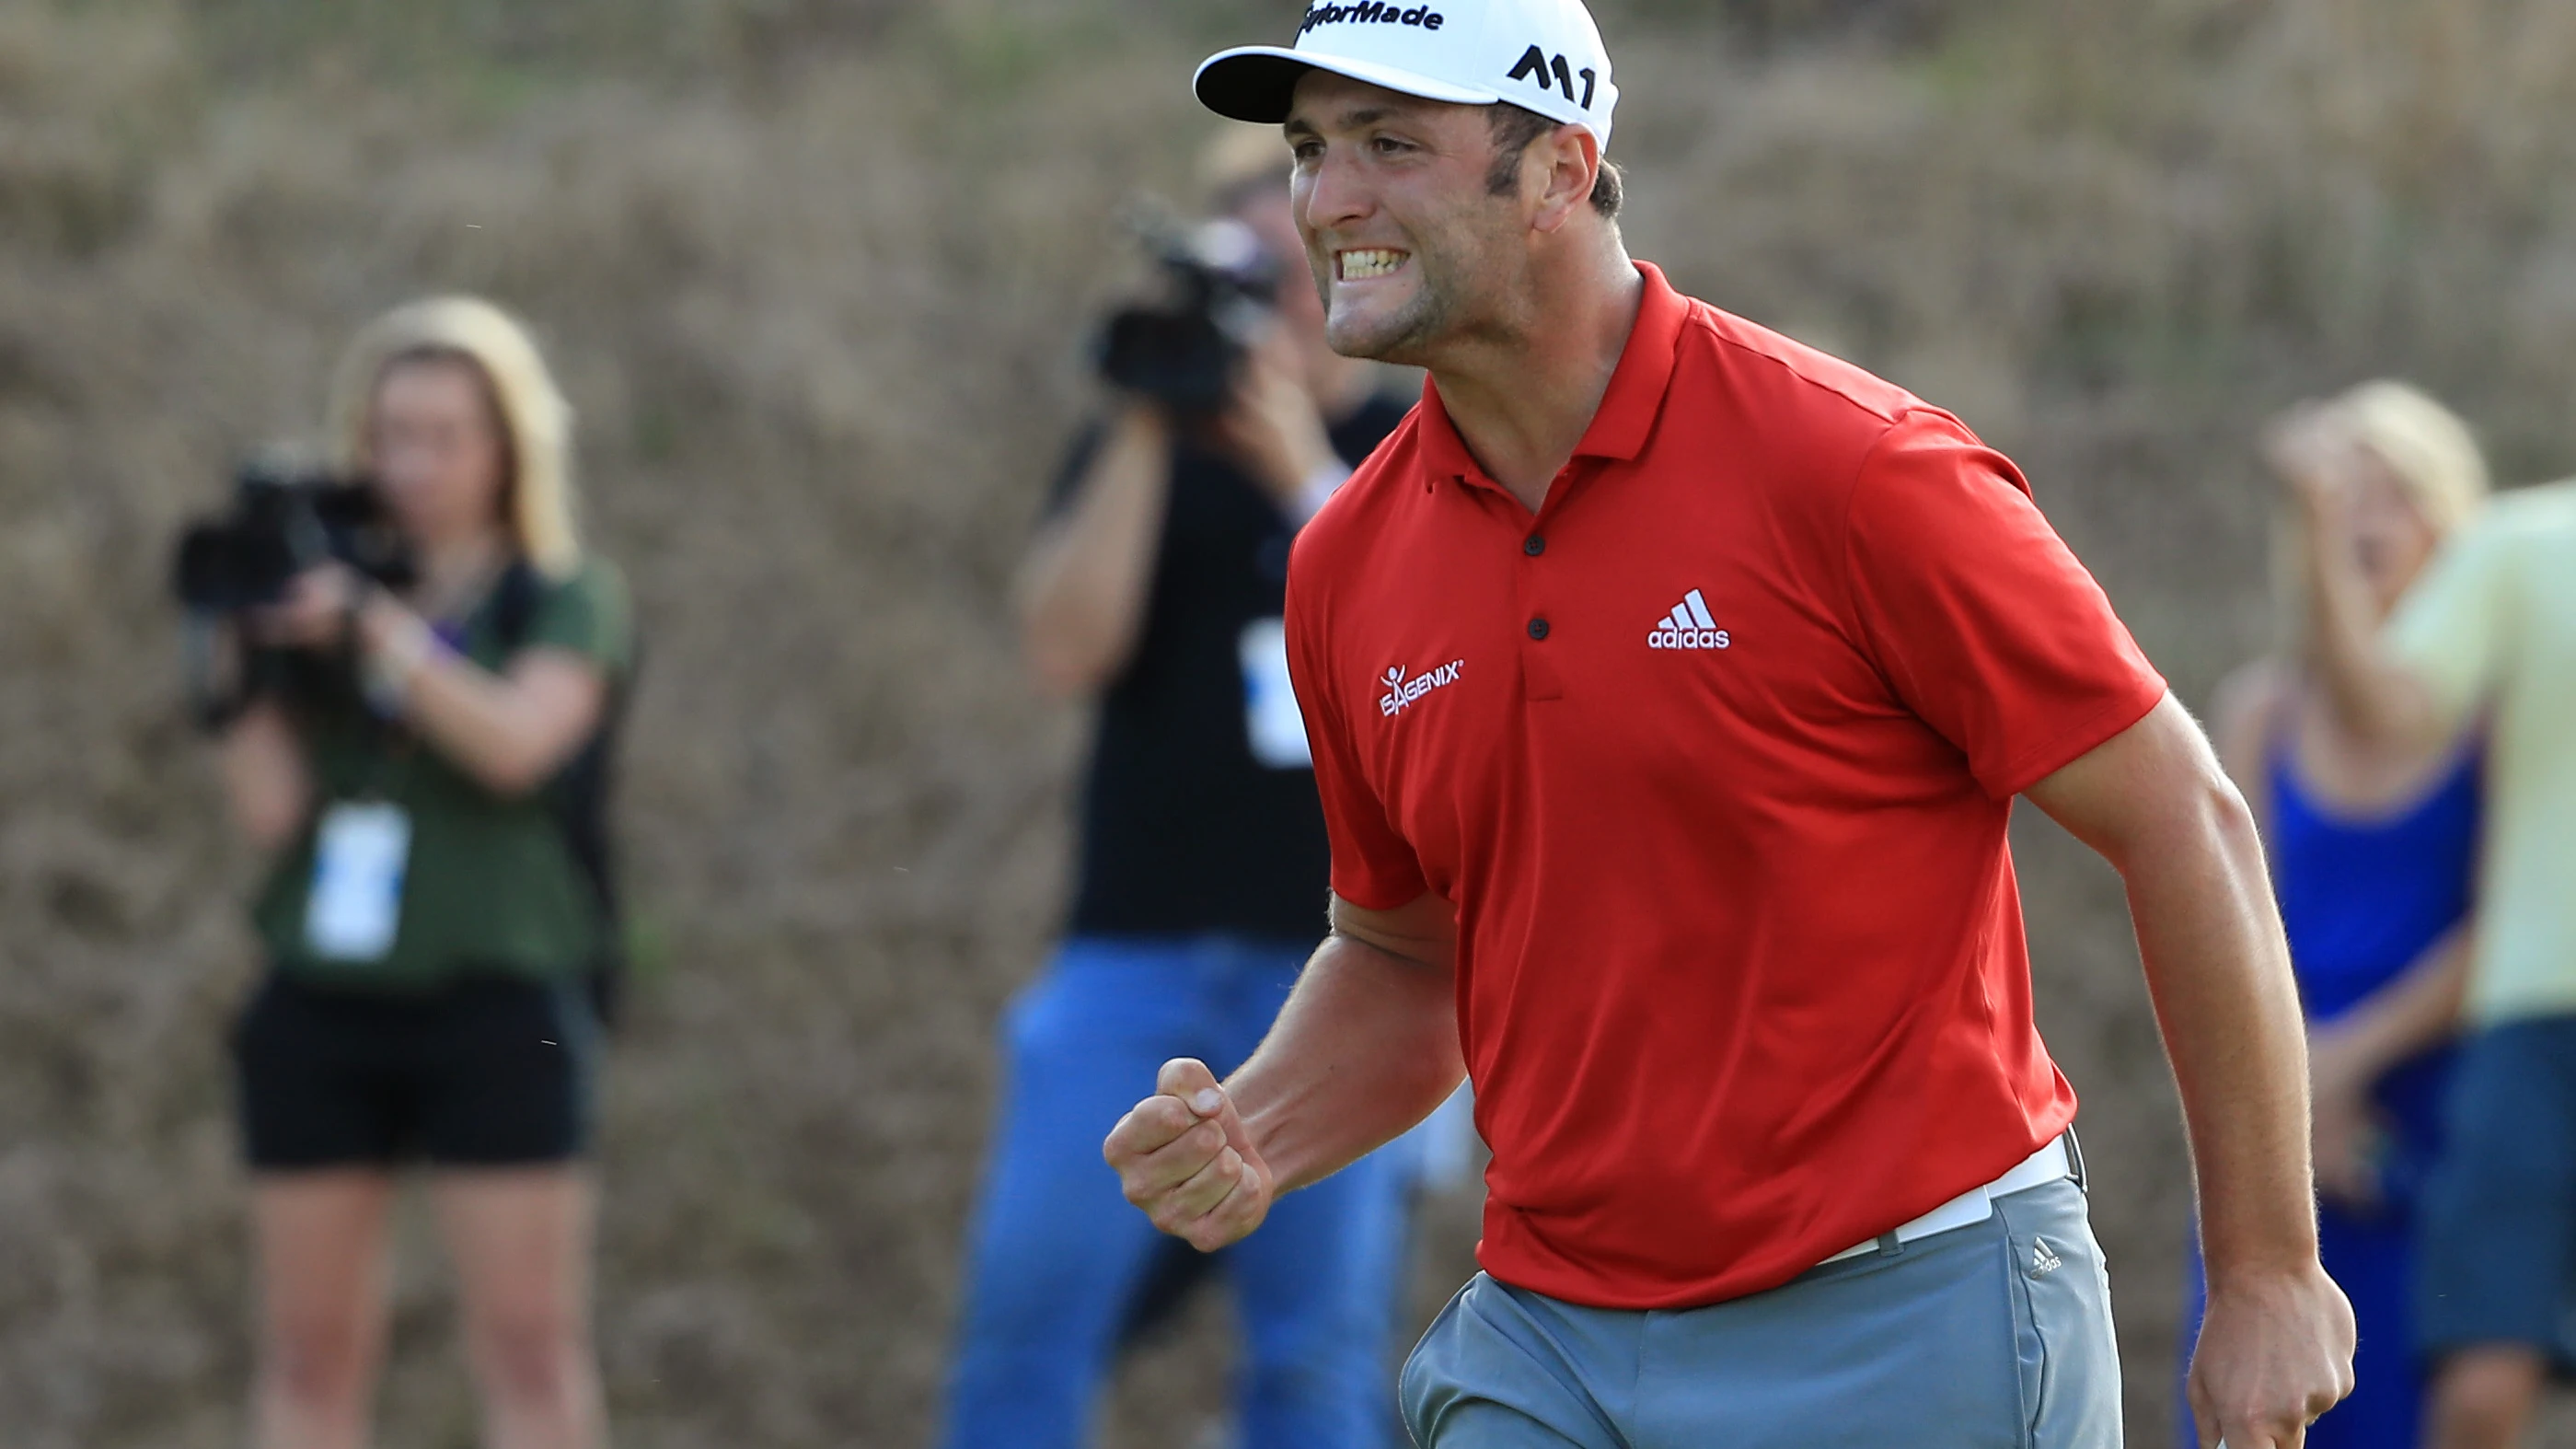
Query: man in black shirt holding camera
[1156,583]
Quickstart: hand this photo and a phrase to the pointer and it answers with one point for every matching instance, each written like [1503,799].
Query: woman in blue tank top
[2372,854]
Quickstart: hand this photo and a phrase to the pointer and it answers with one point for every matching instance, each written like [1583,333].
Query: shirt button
[1533,545]
[1538,628]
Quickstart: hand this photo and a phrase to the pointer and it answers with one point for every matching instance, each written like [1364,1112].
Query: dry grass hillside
[813,270]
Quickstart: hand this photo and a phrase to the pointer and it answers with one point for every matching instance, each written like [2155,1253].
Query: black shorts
[486,1072]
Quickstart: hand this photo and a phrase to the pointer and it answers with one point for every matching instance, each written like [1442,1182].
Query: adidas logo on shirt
[1688,626]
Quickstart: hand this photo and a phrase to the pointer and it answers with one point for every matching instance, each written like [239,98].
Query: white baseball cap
[1544,55]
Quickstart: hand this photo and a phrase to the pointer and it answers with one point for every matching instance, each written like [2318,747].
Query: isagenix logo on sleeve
[1402,692]
[1373,13]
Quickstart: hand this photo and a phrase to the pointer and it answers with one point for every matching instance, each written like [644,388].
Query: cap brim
[1258,82]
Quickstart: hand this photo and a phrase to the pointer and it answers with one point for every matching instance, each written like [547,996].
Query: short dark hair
[1514,128]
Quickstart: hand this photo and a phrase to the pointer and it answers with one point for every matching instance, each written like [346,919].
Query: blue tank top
[2361,900]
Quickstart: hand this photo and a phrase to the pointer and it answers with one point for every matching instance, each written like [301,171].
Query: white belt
[1975,1205]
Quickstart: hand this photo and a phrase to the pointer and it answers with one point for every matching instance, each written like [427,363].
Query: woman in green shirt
[428,924]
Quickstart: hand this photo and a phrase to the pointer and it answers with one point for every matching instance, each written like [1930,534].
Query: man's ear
[1572,158]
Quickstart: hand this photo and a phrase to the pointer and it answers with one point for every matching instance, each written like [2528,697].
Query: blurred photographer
[410,754]
[1156,585]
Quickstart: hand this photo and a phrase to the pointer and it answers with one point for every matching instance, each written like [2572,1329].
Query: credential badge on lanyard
[1271,723]
[359,856]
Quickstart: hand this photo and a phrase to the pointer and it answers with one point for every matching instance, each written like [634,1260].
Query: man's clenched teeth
[1361,263]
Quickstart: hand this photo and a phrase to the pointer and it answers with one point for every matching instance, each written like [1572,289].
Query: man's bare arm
[1366,1047]
[2276,1345]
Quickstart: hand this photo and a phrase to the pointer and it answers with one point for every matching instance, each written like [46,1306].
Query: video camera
[282,521]
[1183,351]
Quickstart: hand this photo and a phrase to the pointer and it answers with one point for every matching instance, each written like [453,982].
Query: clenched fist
[1183,1157]
[2275,1351]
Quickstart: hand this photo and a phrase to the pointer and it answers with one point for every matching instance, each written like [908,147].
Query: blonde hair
[2425,445]
[2427,449]
[536,422]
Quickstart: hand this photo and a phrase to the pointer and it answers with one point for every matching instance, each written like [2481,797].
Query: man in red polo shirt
[1669,685]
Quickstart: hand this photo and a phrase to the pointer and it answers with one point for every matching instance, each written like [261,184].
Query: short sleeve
[589,615]
[1374,868]
[2450,629]
[1979,615]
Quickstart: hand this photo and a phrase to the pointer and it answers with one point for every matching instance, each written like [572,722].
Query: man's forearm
[2219,972]
[1366,1047]
[2275,1347]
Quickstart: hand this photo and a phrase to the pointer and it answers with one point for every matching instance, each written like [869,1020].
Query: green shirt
[490,884]
[2491,628]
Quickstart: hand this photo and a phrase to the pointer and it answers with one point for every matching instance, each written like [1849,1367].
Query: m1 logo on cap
[1373,13]
[1536,62]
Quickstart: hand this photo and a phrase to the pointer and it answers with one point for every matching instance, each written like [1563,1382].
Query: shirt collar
[1629,407]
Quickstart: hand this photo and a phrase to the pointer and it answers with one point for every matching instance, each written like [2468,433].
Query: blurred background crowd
[815,277]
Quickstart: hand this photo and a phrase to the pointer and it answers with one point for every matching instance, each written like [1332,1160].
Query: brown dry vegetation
[813,270]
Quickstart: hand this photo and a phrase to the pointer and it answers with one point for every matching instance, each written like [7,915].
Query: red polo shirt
[1713,756]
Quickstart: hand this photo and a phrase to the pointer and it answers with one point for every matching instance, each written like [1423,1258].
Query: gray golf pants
[1992,1336]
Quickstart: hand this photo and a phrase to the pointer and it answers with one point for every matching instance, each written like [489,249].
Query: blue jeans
[2499,1225]
[1056,1252]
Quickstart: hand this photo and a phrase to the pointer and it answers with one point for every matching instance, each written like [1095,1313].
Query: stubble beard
[1404,338]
